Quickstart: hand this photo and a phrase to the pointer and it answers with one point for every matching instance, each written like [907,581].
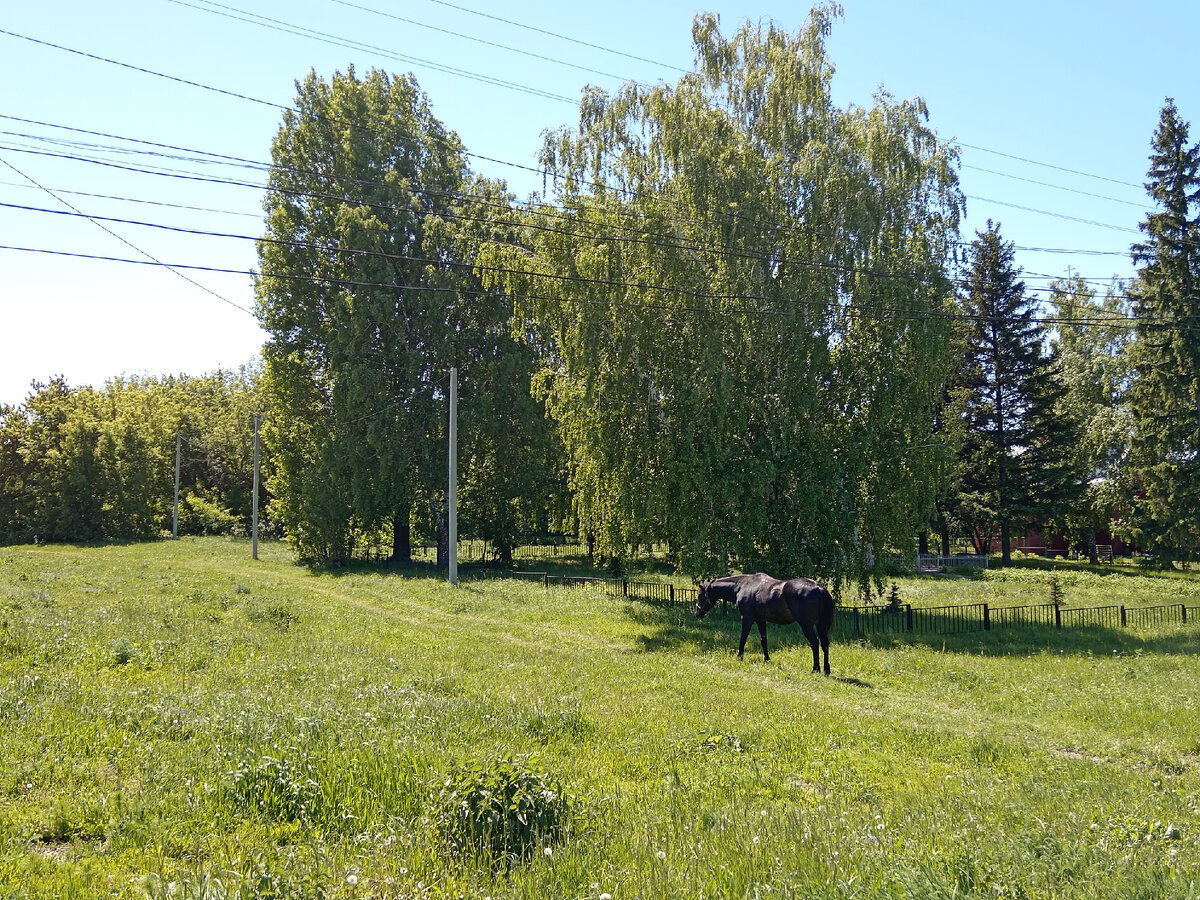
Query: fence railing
[927,562]
[868,621]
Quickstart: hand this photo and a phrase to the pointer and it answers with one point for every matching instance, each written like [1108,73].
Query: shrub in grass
[500,809]
[279,788]
[277,614]
[123,652]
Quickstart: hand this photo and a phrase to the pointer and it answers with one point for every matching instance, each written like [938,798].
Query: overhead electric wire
[264,166]
[642,238]
[125,241]
[875,312]
[1034,162]
[1045,212]
[1056,187]
[543,172]
[140,200]
[554,34]
[817,264]
[241,15]
[477,40]
[139,69]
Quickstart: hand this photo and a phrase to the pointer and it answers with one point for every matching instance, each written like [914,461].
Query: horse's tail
[825,611]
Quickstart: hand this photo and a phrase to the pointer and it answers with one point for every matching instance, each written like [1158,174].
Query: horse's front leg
[747,624]
[762,633]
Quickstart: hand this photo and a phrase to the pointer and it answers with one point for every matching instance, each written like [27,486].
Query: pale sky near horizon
[1053,105]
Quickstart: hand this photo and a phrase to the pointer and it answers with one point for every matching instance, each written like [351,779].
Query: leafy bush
[199,514]
[123,652]
[500,809]
[278,788]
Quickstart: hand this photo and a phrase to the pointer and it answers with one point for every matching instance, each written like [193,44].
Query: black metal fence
[904,618]
[867,621]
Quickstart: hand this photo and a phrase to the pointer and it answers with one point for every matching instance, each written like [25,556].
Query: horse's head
[705,600]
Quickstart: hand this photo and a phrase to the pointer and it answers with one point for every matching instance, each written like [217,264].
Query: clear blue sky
[1028,89]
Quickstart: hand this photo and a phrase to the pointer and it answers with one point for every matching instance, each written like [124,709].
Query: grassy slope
[135,681]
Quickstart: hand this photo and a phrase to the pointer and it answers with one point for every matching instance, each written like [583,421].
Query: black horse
[762,599]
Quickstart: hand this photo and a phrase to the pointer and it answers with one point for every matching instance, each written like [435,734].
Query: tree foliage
[743,309]
[368,295]
[1091,343]
[84,464]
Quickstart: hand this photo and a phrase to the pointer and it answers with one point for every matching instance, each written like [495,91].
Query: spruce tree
[1166,396]
[1016,458]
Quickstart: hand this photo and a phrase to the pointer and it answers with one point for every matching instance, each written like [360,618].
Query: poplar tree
[1166,396]
[354,295]
[368,294]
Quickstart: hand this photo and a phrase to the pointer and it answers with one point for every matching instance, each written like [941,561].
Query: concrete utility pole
[452,489]
[175,513]
[254,497]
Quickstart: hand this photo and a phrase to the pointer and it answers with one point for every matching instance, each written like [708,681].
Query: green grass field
[177,720]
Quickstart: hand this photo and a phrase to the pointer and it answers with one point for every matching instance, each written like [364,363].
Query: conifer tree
[1166,396]
[1017,464]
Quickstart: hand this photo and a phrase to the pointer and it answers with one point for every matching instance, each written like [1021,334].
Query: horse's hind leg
[747,624]
[762,632]
[825,648]
[810,632]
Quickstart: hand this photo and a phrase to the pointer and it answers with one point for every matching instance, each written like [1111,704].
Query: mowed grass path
[179,720]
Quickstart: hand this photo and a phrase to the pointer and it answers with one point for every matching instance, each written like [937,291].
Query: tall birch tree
[744,303]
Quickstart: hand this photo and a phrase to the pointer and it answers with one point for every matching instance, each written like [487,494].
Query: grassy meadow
[179,721]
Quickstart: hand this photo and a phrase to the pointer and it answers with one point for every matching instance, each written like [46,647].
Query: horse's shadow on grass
[670,628]
[673,628]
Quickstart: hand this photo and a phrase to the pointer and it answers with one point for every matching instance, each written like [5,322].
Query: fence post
[987,618]
[1183,613]
[1122,616]
[546,579]
[672,587]
[625,588]
[855,618]
[1057,616]
[909,616]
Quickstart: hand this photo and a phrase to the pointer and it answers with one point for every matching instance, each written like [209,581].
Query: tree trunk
[923,542]
[443,543]
[1005,545]
[401,540]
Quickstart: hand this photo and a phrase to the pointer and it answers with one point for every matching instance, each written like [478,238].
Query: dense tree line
[78,464]
[730,326]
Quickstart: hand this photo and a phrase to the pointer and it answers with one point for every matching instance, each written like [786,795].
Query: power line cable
[241,15]
[545,173]
[140,200]
[643,239]
[477,40]
[1056,187]
[1046,165]
[878,312]
[123,240]
[561,37]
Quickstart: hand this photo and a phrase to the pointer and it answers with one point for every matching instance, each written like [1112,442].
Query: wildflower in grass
[549,851]
[352,880]
[662,854]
